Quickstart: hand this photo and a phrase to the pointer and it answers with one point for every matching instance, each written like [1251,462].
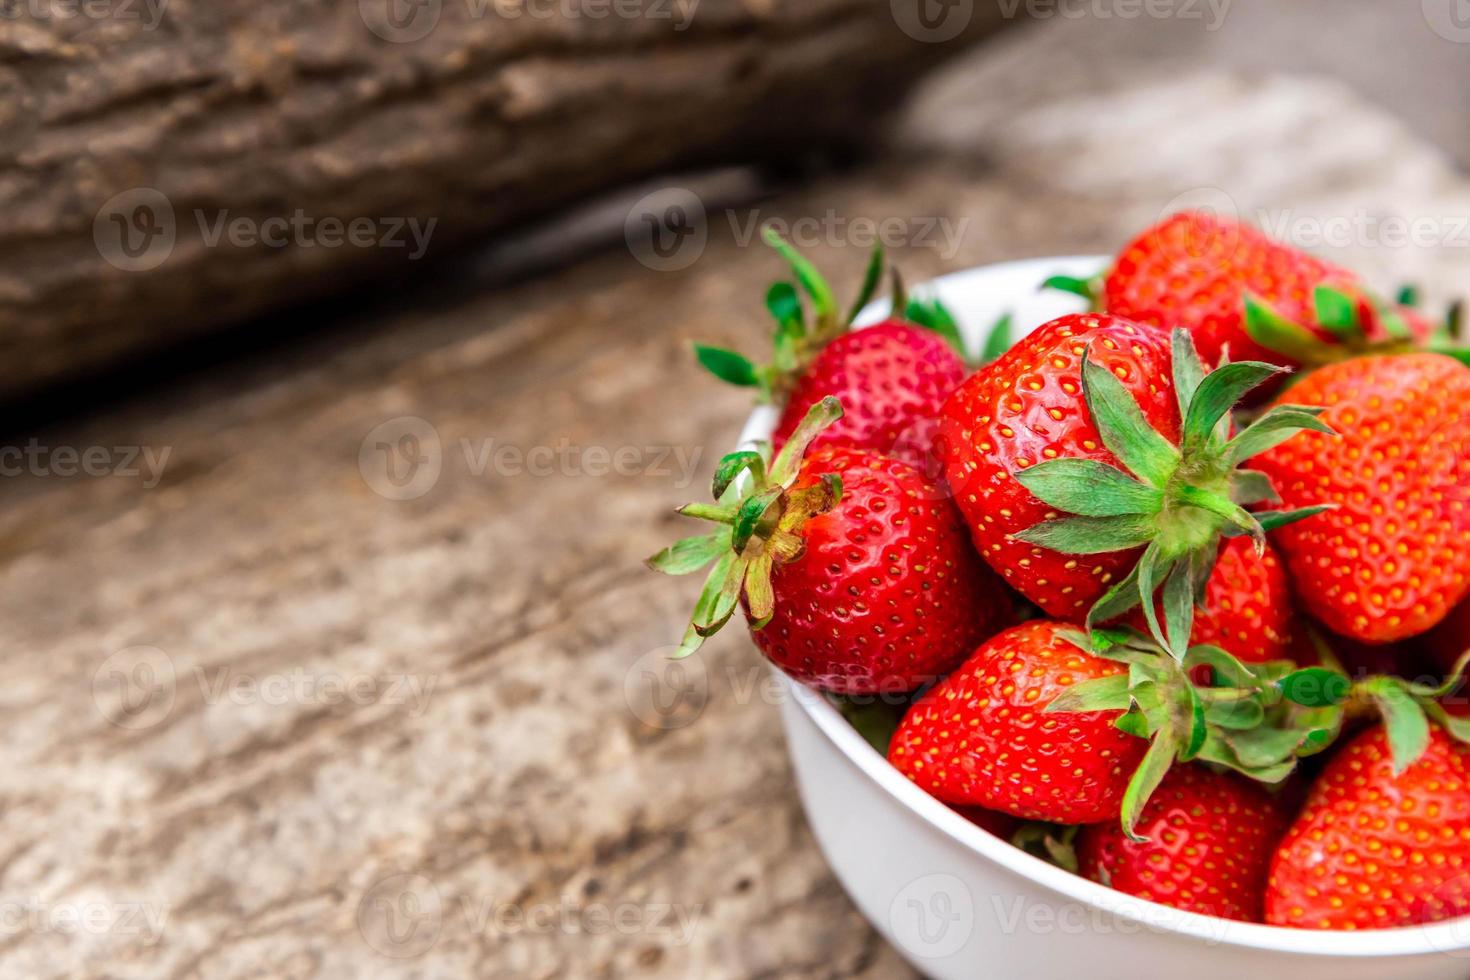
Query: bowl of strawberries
[1136,606]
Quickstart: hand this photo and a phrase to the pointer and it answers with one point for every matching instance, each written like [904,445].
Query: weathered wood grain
[267,824]
[169,168]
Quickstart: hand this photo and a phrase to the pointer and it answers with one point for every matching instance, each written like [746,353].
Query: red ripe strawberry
[981,737]
[1028,407]
[1390,561]
[1247,608]
[891,378]
[888,594]
[1374,849]
[854,570]
[1083,418]
[1195,270]
[1237,290]
[1210,840]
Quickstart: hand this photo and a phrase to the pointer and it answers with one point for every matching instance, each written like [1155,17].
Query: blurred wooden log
[168,167]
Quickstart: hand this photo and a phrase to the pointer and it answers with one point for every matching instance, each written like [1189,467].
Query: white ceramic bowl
[961,904]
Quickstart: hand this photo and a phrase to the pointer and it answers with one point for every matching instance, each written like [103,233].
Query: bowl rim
[1444,938]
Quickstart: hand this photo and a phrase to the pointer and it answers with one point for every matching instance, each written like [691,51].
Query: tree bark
[170,167]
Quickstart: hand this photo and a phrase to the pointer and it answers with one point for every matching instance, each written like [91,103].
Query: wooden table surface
[266,720]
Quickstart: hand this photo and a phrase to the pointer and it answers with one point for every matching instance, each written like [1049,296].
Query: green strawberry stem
[760,518]
[797,341]
[1406,707]
[1089,289]
[1242,720]
[1053,843]
[1176,502]
[1356,325]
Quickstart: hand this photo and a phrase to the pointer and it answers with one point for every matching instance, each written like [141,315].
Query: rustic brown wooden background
[253,819]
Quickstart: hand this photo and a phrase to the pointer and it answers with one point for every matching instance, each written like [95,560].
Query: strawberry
[1246,609]
[1390,561]
[981,737]
[854,571]
[894,376]
[1044,723]
[1210,840]
[891,378]
[1117,424]
[1378,845]
[1002,825]
[1238,291]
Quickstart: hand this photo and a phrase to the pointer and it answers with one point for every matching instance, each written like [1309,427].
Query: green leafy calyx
[804,327]
[1176,501]
[760,518]
[1350,323]
[1240,719]
[1406,708]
